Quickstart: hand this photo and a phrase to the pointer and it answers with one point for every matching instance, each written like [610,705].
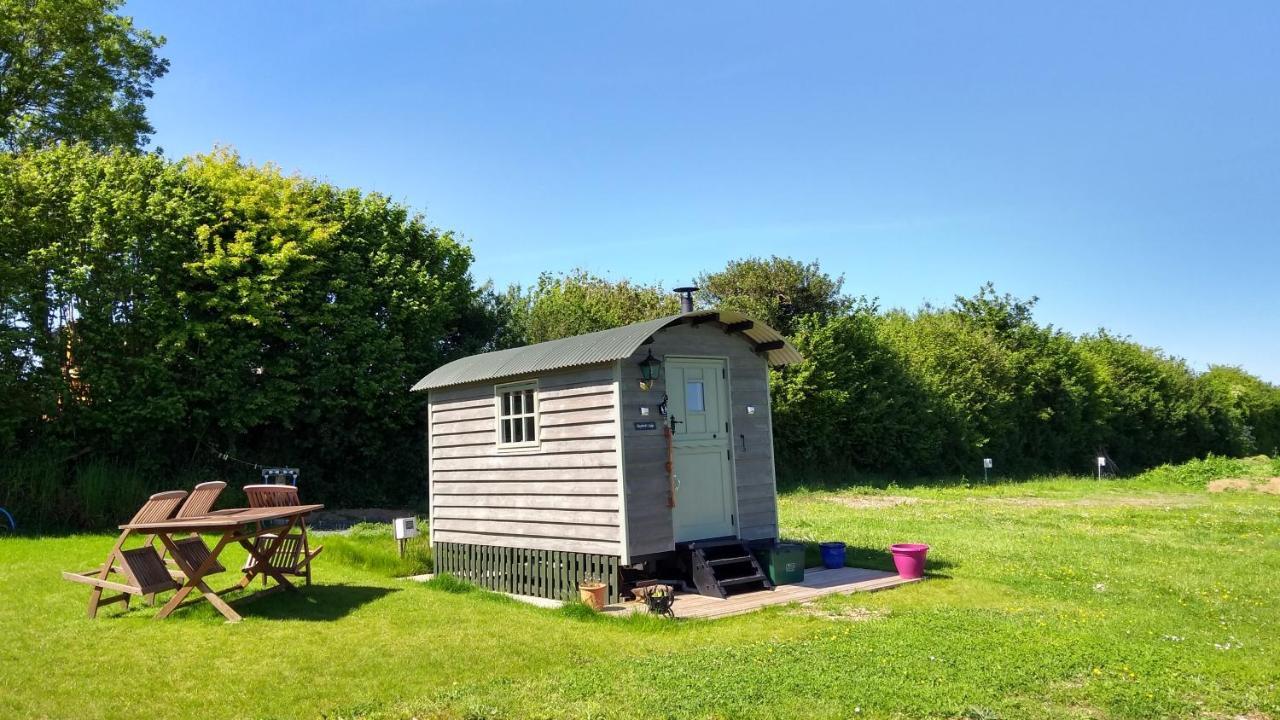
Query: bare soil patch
[1271,486]
[1225,484]
[852,614]
[874,501]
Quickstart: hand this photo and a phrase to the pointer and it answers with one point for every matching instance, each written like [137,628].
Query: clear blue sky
[1120,160]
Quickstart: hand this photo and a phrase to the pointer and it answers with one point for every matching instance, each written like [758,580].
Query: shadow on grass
[315,603]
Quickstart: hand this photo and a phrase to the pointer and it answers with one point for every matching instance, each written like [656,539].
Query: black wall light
[650,368]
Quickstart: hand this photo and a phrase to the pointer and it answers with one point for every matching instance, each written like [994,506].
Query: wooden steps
[721,568]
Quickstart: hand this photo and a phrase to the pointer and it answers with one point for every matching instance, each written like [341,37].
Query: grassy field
[1063,597]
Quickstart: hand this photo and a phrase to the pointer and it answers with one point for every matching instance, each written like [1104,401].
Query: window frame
[523,445]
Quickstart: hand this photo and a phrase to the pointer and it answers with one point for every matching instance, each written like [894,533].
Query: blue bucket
[832,555]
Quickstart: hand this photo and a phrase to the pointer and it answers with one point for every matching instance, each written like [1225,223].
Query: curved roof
[597,347]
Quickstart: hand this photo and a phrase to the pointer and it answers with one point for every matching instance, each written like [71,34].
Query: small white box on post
[1102,462]
[986,468]
[405,528]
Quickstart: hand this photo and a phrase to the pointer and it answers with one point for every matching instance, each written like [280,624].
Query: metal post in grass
[986,468]
[1102,462]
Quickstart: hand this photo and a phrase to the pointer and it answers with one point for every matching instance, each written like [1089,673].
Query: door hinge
[724,373]
[729,453]
[733,519]
[726,427]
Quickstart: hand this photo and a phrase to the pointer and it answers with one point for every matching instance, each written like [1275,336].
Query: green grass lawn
[1057,598]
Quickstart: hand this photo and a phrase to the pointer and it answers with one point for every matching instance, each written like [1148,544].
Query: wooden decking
[817,582]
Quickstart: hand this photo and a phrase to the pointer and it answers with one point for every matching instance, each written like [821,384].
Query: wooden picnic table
[236,525]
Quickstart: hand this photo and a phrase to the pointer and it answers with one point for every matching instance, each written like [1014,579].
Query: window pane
[506,431]
[529,435]
[528,401]
[515,403]
[506,403]
[693,400]
[518,431]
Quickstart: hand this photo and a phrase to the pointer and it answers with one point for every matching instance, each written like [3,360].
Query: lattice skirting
[541,573]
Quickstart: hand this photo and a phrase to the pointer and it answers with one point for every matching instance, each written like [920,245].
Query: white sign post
[1102,462]
[986,468]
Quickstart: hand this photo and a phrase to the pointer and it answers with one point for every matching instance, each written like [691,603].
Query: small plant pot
[592,595]
[832,555]
[908,558]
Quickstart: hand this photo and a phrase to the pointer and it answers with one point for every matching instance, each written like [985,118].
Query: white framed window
[517,415]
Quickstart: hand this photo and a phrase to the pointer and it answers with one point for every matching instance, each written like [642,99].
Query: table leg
[195,579]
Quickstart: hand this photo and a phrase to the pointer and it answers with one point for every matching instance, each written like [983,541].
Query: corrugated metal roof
[596,347]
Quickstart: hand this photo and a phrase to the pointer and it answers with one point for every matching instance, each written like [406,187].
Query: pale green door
[698,410]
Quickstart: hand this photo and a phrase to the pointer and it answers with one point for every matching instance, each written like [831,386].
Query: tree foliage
[777,291]
[156,309]
[562,305]
[74,70]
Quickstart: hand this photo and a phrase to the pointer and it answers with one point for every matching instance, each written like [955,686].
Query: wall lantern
[650,369]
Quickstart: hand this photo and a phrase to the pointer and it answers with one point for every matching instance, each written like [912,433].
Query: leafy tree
[851,403]
[159,308]
[1248,409]
[1156,412]
[777,291]
[967,375]
[562,305]
[74,70]
[1056,411]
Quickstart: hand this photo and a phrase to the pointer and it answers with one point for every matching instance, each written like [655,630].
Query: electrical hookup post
[986,469]
[405,528]
[1102,462]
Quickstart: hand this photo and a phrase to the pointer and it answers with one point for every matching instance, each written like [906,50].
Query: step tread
[728,561]
[741,580]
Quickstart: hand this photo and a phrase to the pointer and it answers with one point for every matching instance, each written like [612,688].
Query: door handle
[675,422]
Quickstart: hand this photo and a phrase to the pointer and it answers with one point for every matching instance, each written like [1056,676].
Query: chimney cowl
[686,298]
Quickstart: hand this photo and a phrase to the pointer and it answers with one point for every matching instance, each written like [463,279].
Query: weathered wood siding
[649,528]
[562,495]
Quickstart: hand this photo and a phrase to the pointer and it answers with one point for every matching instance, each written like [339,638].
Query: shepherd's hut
[644,450]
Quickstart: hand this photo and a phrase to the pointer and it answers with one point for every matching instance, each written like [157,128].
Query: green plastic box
[783,563]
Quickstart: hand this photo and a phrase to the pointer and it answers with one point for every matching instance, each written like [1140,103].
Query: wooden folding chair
[193,548]
[290,552]
[142,568]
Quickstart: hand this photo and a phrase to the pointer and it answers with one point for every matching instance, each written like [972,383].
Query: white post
[1102,461]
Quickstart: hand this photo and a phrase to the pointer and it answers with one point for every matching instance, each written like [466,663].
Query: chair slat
[146,570]
[201,500]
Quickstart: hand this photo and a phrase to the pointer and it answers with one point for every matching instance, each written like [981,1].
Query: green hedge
[154,310]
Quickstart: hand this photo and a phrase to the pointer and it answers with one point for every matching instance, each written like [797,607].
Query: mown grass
[1061,597]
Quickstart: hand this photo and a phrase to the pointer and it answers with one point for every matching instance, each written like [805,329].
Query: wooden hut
[549,463]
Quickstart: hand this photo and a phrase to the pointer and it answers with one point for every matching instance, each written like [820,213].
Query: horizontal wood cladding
[529,501]
[549,448]
[533,543]
[563,489]
[517,528]
[530,461]
[560,495]
[525,474]
[603,416]
[607,518]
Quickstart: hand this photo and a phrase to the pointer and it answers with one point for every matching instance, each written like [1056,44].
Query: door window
[694,396]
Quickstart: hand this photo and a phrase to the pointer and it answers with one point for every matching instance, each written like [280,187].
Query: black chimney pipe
[686,298]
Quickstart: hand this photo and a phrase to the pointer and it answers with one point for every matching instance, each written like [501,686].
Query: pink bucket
[909,559]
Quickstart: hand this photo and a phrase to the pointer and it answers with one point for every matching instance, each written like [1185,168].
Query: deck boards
[817,583]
